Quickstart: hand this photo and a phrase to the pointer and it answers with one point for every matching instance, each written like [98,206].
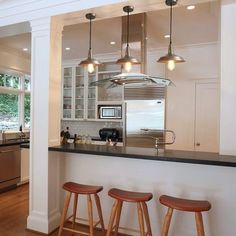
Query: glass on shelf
[91,78]
[68,72]
[79,114]
[79,82]
[91,114]
[79,71]
[67,113]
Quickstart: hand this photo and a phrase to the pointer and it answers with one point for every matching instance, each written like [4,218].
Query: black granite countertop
[12,142]
[204,158]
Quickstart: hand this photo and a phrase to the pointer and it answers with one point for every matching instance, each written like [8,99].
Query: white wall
[202,63]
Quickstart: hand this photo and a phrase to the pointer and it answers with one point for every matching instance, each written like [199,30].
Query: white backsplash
[89,127]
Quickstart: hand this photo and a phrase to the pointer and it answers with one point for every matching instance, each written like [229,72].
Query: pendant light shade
[90,62]
[127,61]
[170,58]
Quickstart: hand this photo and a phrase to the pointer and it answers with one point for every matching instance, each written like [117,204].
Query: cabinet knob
[198,144]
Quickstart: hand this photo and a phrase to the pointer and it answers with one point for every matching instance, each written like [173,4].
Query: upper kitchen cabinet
[79,93]
[79,98]
[91,97]
[106,94]
[67,92]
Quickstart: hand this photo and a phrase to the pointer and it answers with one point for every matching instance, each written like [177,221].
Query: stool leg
[140,219]
[118,212]
[112,218]
[147,220]
[199,224]
[166,224]
[63,216]
[90,214]
[98,204]
[74,209]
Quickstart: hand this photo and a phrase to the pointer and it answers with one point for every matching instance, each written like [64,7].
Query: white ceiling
[200,25]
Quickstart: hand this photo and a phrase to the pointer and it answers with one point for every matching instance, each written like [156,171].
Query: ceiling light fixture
[67,49]
[170,58]
[190,7]
[90,62]
[25,49]
[167,36]
[112,43]
[127,61]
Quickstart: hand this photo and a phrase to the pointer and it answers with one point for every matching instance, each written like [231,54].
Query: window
[14,101]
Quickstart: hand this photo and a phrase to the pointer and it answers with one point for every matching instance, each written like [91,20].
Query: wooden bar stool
[88,190]
[184,205]
[127,196]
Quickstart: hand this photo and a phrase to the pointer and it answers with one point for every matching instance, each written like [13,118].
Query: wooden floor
[14,208]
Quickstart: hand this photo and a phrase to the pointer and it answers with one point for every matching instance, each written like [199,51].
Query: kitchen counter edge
[204,158]
[13,142]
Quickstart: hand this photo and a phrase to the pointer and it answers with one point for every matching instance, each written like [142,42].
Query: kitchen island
[179,173]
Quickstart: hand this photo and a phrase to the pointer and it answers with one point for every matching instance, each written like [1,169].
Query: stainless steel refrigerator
[144,120]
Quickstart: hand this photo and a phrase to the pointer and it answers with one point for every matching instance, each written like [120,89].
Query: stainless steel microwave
[110,111]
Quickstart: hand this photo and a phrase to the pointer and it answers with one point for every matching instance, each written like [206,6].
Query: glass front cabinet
[78,97]
[67,93]
[80,100]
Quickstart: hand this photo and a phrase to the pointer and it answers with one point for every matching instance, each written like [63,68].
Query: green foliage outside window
[9,102]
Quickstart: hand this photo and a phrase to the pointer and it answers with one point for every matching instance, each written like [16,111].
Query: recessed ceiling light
[190,7]
[25,49]
[67,49]
[112,43]
[167,36]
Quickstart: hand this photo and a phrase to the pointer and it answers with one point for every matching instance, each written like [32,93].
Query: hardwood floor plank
[14,210]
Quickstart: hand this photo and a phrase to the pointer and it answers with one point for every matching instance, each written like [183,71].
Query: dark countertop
[13,142]
[204,158]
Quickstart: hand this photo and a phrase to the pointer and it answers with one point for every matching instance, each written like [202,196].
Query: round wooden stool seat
[181,204]
[185,204]
[76,190]
[81,188]
[129,196]
[139,199]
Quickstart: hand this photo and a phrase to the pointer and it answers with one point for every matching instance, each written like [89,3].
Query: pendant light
[90,62]
[127,61]
[170,58]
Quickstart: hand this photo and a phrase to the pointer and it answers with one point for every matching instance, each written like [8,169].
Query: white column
[228,78]
[45,123]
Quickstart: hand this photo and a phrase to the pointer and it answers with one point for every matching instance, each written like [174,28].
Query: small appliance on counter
[109,133]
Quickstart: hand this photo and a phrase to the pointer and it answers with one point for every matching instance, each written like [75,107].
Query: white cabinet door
[207,117]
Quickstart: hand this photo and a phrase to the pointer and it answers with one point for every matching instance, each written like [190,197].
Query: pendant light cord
[127,45]
[90,39]
[170,43]
[128,29]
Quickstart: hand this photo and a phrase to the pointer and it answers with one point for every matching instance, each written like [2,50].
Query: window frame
[20,92]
